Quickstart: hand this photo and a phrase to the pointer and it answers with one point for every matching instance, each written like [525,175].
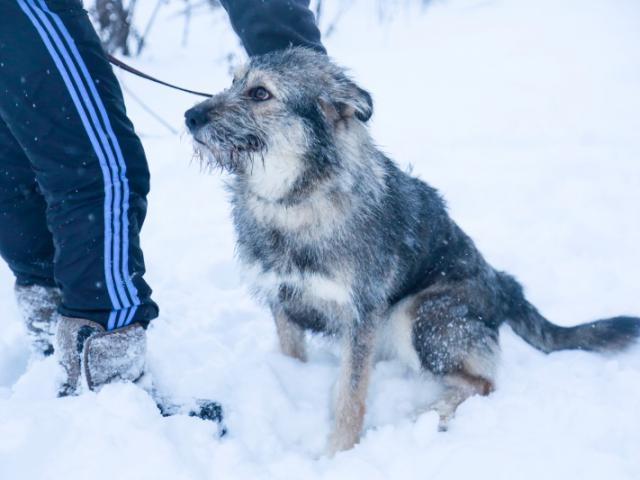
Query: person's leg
[62,103]
[26,243]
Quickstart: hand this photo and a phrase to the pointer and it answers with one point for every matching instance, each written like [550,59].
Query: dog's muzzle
[195,118]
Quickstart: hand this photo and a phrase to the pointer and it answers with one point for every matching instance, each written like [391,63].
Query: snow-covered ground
[526,115]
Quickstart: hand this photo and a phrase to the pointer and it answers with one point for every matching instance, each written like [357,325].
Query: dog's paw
[297,354]
[445,411]
[339,442]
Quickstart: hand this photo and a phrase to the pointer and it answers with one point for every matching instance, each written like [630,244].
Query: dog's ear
[346,100]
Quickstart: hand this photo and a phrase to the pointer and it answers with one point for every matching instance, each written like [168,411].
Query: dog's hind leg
[290,335]
[458,344]
[457,388]
[351,389]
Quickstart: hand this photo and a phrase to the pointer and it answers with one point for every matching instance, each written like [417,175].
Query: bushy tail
[609,335]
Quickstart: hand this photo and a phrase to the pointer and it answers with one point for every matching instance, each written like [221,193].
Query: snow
[526,116]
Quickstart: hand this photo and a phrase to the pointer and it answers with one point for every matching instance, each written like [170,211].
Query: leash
[119,63]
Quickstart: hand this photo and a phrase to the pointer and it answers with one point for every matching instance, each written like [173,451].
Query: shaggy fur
[341,241]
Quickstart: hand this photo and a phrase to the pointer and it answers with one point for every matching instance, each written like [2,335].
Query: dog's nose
[195,118]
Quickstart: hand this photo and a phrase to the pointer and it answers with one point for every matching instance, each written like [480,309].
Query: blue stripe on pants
[108,183]
[115,163]
[133,294]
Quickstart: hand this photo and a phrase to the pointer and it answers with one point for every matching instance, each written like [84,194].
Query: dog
[341,241]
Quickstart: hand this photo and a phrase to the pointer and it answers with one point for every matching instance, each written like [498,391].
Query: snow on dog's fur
[343,242]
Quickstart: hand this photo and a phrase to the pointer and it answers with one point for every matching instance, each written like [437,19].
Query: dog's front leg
[351,391]
[290,335]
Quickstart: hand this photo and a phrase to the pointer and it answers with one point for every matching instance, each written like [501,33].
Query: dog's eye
[259,94]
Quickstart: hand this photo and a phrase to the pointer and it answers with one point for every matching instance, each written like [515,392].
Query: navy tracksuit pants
[73,173]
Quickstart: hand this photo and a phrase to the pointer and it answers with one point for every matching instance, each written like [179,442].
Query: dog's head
[280,115]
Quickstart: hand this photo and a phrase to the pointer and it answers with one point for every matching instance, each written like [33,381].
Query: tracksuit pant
[73,173]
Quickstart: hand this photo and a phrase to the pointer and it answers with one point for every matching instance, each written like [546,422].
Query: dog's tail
[609,335]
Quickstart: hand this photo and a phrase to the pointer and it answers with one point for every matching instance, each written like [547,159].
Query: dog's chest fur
[289,251]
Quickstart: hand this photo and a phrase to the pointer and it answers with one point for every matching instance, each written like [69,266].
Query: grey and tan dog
[343,242]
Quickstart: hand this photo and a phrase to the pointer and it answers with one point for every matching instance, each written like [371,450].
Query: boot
[92,356]
[38,306]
